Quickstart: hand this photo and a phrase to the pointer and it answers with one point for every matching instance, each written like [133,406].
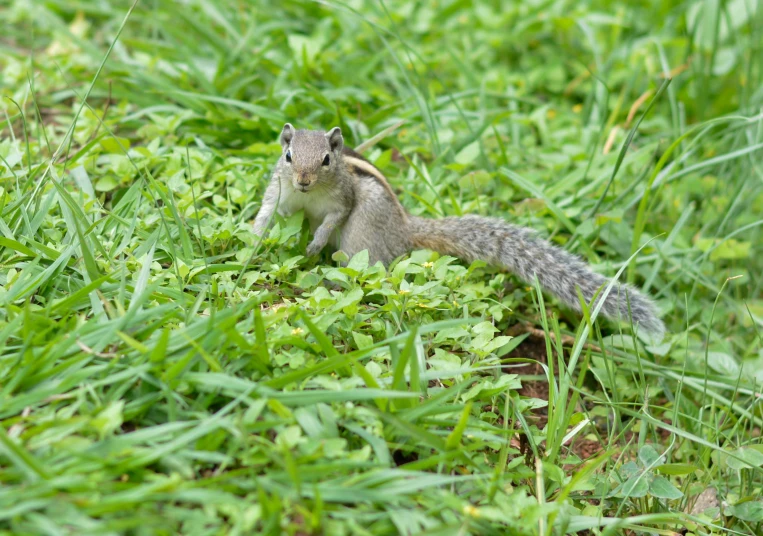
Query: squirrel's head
[309,156]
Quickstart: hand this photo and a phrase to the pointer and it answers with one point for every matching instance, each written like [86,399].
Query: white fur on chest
[316,204]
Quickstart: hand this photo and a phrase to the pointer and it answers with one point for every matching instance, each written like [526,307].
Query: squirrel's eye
[288,156]
[326,160]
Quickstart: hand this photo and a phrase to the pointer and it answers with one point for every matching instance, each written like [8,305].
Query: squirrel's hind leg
[355,244]
[358,234]
[377,224]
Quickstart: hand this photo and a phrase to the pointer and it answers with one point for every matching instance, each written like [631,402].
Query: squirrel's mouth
[303,187]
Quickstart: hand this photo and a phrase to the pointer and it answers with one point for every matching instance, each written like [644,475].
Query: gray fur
[520,250]
[305,183]
[350,201]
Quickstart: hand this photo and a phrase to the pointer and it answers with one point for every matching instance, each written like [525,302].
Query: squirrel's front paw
[314,248]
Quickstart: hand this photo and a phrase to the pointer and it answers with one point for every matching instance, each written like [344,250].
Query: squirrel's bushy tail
[521,251]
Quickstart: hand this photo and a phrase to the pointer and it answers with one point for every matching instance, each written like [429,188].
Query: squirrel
[348,201]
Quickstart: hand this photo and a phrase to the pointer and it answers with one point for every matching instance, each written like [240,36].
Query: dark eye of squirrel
[288,156]
[326,160]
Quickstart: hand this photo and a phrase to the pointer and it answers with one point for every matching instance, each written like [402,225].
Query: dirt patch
[533,349]
[699,503]
[585,449]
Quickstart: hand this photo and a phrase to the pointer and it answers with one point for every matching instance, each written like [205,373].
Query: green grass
[162,372]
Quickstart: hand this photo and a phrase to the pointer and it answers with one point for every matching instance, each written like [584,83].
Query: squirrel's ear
[286,135]
[336,142]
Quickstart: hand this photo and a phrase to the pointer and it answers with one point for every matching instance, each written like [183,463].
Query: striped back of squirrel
[360,167]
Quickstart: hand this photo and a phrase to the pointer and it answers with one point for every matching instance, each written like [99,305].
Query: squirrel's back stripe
[346,151]
[359,166]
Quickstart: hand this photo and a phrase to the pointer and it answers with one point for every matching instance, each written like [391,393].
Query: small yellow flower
[471,511]
[403,291]
[297,331]
[455,303]
[551,114]
[577,108]
[428,264]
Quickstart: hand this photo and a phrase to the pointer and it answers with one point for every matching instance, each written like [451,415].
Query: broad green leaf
[750,511]
[635,487]
[661,488]
[750,457]
[648,456]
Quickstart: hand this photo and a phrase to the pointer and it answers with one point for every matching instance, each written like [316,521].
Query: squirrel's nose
[303,180]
